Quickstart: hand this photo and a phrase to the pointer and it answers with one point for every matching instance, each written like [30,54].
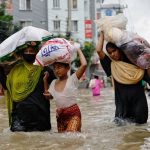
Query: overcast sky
[138,14]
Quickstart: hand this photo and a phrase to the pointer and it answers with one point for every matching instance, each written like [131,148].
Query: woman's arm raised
[99,46]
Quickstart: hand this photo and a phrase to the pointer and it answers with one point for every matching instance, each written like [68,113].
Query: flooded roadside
[98,129]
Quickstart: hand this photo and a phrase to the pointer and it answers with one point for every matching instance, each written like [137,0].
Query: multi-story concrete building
[57,16]
[61,17]
[77,13]
[109,10]
[30,12]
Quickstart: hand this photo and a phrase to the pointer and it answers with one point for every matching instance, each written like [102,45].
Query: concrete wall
[37,14]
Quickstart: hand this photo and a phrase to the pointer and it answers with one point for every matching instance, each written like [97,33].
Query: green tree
[88,50]
[5,23]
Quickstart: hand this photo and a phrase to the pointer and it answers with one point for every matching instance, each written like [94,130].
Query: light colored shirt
[98,86]
[68,96]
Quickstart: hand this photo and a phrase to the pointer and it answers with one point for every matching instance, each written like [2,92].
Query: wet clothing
[95,85]
[69,119]
[68,96]
[68,112]
[32,113]
[21,81]
[130,99]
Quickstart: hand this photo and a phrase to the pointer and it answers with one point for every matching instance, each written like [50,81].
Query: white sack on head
[55,50]
[117,21]
[26,34]
[113,27]
[113,35]
[132,45]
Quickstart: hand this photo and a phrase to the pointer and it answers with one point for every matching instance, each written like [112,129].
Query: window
[74,4]
[56,25]
[108,12]
[56,3]
[25,4]
[25,23]
[75,26]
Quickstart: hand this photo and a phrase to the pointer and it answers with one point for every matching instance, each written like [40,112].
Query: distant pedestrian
[95,85]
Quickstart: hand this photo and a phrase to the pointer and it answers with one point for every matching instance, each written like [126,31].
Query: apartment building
[30,12]
[61,12]
[63,16]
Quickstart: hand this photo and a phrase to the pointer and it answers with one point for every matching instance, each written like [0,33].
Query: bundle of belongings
[136,48]
[55,50]
[11,49]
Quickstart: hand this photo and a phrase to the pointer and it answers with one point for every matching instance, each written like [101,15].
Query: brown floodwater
[99,132]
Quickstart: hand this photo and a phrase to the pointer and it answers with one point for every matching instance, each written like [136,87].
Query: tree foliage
[88,50]
[5,23]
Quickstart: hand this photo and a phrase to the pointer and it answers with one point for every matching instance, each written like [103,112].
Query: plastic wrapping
[137,51]
[134,47]
[118,21]
[26,34]
[55,50]
[113,27]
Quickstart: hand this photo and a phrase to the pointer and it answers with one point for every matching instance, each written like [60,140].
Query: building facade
[30,12]
[70,16]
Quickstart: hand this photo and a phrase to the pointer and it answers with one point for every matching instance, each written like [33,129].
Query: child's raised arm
[83,65]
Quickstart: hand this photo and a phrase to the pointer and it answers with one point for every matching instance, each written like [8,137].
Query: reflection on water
[98,129]
[135,140]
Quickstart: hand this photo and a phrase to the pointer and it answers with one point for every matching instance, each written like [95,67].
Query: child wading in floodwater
[64,90]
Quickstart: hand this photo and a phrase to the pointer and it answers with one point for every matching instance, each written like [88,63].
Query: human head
[29,54]
[61,69]
[95,76]
[113,51]
[71,40]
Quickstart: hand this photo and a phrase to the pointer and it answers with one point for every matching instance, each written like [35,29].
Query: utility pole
[93,17]
[69,19]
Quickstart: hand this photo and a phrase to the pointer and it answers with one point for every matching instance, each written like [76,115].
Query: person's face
[114,54]
[29,55]
[72,41]
[60,70]
[30,50]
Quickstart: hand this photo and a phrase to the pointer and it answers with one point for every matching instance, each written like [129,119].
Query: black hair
[95,76]
[114,46]
[66,65]
[111,45]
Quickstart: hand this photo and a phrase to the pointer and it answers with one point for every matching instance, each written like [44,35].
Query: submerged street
[99,132]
